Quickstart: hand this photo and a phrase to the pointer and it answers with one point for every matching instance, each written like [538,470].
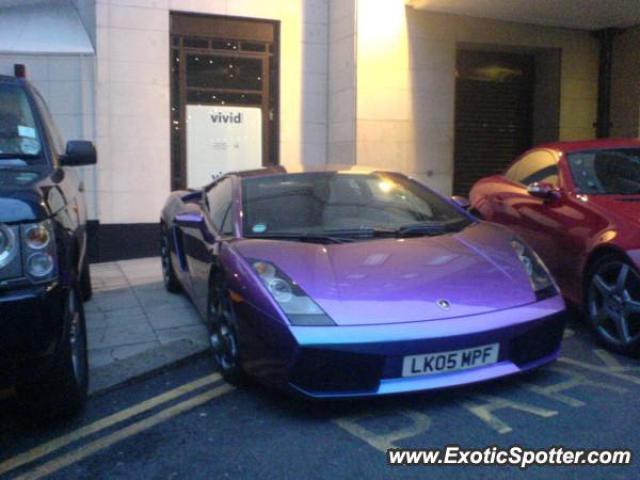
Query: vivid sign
[221,139]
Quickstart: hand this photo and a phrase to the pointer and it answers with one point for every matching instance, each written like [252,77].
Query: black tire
[612,304]
[223,331]
[85,281]
[62,391]
[170,279]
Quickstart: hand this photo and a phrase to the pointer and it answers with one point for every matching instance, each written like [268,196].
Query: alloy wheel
[614,302]
[222,333]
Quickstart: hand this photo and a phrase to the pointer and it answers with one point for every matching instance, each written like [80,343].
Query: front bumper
[31,325]
[333,362]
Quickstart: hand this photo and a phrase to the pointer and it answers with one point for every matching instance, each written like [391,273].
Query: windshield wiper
[364,232]
[409,230]
[418,229]
[302,237]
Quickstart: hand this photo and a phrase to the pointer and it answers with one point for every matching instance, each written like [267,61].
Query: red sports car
[578,205]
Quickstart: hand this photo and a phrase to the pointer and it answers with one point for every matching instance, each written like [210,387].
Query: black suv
[44,271]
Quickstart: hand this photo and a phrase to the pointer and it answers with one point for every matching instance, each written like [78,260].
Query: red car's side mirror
[544,190]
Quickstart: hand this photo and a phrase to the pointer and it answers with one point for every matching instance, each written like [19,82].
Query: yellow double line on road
[90,448]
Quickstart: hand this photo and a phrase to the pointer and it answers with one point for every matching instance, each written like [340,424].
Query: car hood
[404,280]
[25,195]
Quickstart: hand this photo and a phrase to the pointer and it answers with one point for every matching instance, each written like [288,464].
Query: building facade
[172,91]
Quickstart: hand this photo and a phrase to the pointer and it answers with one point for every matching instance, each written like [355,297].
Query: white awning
[42,27]
[579,14]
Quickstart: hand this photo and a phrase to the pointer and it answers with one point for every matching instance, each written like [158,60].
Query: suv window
[538,166]
[54,133]
[219,203]
[20,143]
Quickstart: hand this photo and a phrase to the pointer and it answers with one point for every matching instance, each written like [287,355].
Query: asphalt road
[187,423]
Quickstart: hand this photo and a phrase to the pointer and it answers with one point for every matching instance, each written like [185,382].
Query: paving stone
[118,371]
[110,285]
[134,325]
[95,336]
[153,299]
[118,299]
[95,319]
[126,351]
[126,335]
[174,316]
[196,334]
[91,307]
[100,357]
[151,279]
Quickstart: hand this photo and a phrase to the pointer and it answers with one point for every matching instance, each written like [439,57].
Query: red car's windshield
[610,171]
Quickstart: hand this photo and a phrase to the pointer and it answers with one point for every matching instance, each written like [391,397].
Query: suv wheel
[62,391]
[85,281]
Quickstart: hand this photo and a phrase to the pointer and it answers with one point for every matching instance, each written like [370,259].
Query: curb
[143,365]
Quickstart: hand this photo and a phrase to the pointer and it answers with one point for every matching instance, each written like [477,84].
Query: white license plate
[431,363]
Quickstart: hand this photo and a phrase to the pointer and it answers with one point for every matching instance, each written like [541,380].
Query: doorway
[493,113]
[224,96]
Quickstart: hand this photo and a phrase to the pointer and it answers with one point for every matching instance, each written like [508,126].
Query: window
[615,171]
[220,203]
[228,65]
[227,223]
[326,203]
[538,166]
[19,136]
[56,136]
[547,175]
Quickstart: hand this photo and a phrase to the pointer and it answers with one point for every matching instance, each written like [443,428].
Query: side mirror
[190,219]
[462,202]
[79,153]
[543,190]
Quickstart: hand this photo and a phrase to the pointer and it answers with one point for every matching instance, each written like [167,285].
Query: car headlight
[39,251]
[8,246]
[540,278]
[300,309]
[40,265]
[37,236]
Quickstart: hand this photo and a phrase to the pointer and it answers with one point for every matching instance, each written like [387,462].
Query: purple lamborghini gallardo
[344,284]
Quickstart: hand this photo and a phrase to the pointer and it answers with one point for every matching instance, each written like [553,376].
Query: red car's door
[544,223]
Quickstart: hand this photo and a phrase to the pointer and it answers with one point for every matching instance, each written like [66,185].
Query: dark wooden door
[493,113]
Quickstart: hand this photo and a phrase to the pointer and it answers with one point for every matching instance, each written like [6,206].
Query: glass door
[223,101]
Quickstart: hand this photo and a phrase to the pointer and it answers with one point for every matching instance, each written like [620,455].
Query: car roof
[599,144]
[276,170]
[11,80]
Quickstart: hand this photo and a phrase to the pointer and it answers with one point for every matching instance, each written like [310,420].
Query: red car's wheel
[613,304]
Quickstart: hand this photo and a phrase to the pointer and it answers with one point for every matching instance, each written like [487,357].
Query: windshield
[613,171]
[342,205]
[19,138]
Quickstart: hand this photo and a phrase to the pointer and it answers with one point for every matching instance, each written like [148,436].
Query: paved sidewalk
[134,325]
